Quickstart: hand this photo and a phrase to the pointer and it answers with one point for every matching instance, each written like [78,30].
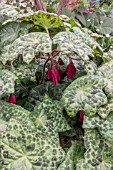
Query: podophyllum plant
[49,65]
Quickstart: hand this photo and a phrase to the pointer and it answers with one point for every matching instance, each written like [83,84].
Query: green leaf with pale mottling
[69,42]
[7,12]
[7,81]
[23,147]
[74,154]
[27,46]
[12,30]
[85,93]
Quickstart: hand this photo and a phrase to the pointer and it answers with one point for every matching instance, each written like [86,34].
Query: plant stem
[78,59]
[24,88]
[42,78]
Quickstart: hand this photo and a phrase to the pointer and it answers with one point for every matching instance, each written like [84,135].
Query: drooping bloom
[81,116]
[71,70]
[55,75]
[12,98]
[87,10]
[48,74]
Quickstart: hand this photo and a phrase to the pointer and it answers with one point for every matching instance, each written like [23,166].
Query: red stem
[42,57]
[42,78]
[78,59]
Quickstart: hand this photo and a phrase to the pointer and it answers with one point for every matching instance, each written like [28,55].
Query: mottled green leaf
[7,12]
[99,152]
[69,42]
[26,149]
[75,152]
[48,114]
[85,93]
[12,30]
[7,81]
[37,93]
[104,126]
[28,45]
[106,71]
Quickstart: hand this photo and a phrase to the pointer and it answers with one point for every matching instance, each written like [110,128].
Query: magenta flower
[12,98]
[71,70]
[53,74]
[87,10]
[81,116]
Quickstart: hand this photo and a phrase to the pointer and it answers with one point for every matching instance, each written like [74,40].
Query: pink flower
[81,116]
[28,9]
[22,11]
[55,75]
[71,70]
[12,98]
[87,10]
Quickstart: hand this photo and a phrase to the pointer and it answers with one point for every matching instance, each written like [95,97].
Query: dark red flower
[12,98]
[71,70]
[55,75]
[48,74]
[81,116]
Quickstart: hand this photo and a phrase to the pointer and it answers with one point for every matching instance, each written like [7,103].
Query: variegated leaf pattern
[97,151]
[69,42]
[27,46]
[85,93]
[7,81]
[7,13]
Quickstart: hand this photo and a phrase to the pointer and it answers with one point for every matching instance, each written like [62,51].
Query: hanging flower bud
[81,116]
[12,98]
[55,75]
[48,74]
[71,70]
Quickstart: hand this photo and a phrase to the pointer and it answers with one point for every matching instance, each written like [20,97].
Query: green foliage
[85,93]
[28,45]
[70,42]
[73,155]
[7,12]
[7,81]
[29,134]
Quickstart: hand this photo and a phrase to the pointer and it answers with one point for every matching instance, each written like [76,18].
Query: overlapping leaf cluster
[94,95]
[30,139]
